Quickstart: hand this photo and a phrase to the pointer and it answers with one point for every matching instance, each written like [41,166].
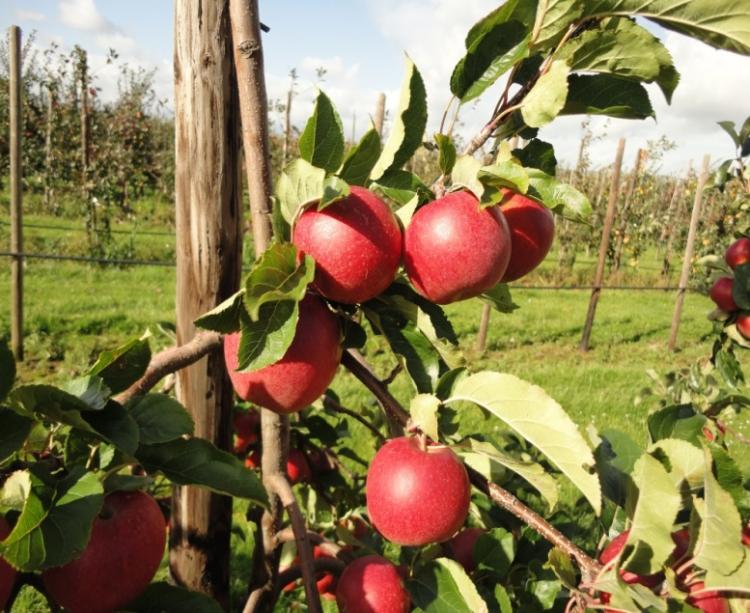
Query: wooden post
[639,158]
[379,114]
[48,170]
[288,119]
[687,259]
[16,209]
[614,190]
[674,221]
[208,223]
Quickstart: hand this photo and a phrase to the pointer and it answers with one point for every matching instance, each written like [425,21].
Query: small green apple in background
[416,494]
[454,249]
[738,253]
[121,558]
[356,245]
[372,585]
[305,370]
[532,230]
[7,572]
[721,294]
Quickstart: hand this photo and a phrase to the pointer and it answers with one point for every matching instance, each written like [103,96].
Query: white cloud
[30,15]
[118,41]
[83,15]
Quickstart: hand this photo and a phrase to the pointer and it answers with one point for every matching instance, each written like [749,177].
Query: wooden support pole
[48,166]
[208,226]
[288,121]
[688,257]
[379,114]
[622,229]
[16,204]
[614,190]
[674,216]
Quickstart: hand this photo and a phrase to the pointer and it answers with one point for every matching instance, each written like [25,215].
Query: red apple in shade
[614,548]
[297,467]
[326,580]
[709,602]
[7,572]
[746,535]
[532,230]
[122,556]
[319,461]
[461,547]
[743,325]
[246,426]
[252,461]
[721,294]
[305,370]
[356,245]
[454,249]
[416,495]
[372,585]
[738,252]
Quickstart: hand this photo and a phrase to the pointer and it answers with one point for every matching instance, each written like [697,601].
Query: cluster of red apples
[721,292]
[452,249]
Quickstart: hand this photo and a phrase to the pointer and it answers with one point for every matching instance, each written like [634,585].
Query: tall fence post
[16,209]
[632,184]
[674,213]
[379,114]
[208,243]
[614,191]
[687,259]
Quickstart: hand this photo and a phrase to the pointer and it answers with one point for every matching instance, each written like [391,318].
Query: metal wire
[74,229]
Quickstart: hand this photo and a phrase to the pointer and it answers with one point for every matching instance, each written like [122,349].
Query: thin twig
[331,565]
[331,404]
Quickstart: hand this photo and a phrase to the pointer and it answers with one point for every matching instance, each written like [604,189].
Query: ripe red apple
[721,294]
[532,230]
[253,460]
[709,602]
[743,324]
[305,370]
[614,548]
[246,426]
[746,535]
[297,467]
[326,580]
[454,249]
[122,556]
[461,547]
[738,252]
[416,495]
[7,572]
[356,245]
[372,585]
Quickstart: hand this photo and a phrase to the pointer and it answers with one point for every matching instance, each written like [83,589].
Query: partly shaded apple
[738,253]
[721,294]
[7,572]
[532,230]
[372,585]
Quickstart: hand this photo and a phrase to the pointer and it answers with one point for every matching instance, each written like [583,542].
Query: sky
[361,45]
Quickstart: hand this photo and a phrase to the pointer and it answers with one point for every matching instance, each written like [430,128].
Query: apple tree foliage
[62,448]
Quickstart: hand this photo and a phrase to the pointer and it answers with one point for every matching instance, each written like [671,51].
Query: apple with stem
[7,572]
[532,230]
[356,245]
[372,584]
[123,554]
[456,249]
[304,371]
[416,493]
[721,294]
[738,253]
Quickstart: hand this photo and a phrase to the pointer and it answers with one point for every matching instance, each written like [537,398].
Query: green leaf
[423,409]
[278,275]
[626,597]
[494,551]
[322,141]
[679,421]
[55,524]
[224,318]
[538,154]
[14,430]
[115,425]
[685,462]
[553,18]
[547,98]
[165,598]
[446,153]
[741,286]
[442,585]
[195,461]
[160,418]
[7,369]
[126,483]
[91,389]
[334,189]
[504,174]
[265,341]
[120,368]
[361,159]
[557,196]
[50,402]
[465,174]
[299,184]
[522,11]
[539,419]
[408,127]
[738,581]
[603,94]
[658,501]
[402,186]
[499,298]
[562,566]
[616,454]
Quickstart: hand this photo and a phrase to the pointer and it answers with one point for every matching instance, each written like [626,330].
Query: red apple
[721,294]
[454,249]
[297,467]
[122,556]
[246,426]
[326,580]
[743,325]
[7,572]
[461,547]
[356,245]
[709,602]
[738,252]
[532,230]
[416,495]
[305,370]
[681,540]
[746,535]
[614,548]
[372,585]
[253,460]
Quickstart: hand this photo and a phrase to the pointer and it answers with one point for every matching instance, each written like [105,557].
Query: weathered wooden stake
[614,191]
[639,158]
[288,120]
[208,223]
[48,170]
[379,114]
[674,216]
[688,257]
[16,208]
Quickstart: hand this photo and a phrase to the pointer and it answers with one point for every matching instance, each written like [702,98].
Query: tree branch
[293,573]
[330,404]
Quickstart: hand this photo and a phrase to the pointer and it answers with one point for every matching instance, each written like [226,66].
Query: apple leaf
[738,581]
[162,597]
[741,286]
[446,153]
[195,461]
[553,18]
[655,500]
[560,197]
[443,585]
[563,567]
[499,298]
[547,98]
[465,174]
[626,597]
[14,430]
[265,341]
[537,154]
[123,366]
[402,186]
[126,483]
[406,211]
[322,141]
[55,524]
[50,402]
[685,462]
[494,551]
[361,159]
[91,389]
[678,421]
[409,124]
[7,369]
[224,318]
[334,189]
[160,418]
[299,184]
[423,409]
[603,94]
[279,274]
[535,416]
[114,424]
[504,174]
